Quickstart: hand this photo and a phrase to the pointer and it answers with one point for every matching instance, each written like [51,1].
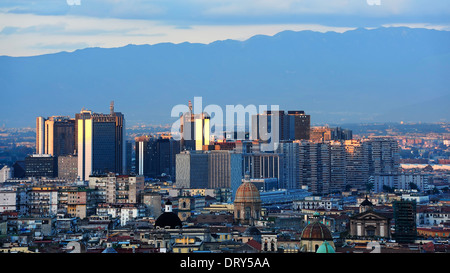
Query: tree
[388,189]
[369,186]
[413,186]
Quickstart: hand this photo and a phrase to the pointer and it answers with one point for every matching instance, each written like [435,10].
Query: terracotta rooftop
[254,244]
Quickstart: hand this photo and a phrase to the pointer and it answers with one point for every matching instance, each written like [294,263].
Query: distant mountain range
[378,75]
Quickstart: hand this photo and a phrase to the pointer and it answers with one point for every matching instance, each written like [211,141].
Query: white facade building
[7,201]
[6,173]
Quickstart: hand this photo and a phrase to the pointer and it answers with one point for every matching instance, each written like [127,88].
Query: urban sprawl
[88,185]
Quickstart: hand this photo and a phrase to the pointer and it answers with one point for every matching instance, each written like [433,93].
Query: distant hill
[378,75]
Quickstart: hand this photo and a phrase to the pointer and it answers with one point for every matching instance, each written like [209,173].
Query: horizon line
[394,26]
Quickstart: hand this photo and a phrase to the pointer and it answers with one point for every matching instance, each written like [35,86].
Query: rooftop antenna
[111,107]
[190,106]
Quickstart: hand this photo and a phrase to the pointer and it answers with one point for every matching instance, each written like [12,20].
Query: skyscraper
[299,125]
[192,169]
[156,155]
[341,134]
[280,126]
[357,163]
[318,165]
[194,129]
[291,164]
[384,155]
[263,165]
[338,178]
[269,127]
[405,221]
[55,135]
[100,142]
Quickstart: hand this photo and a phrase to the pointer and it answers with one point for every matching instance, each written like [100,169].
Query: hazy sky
[47,26]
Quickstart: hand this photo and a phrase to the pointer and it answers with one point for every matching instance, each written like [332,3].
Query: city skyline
[235,127]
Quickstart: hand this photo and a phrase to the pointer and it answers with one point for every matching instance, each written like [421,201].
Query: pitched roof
[254,244]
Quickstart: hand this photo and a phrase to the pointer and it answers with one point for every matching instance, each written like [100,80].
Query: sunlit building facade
[194,130]
[100,143]
[55,135]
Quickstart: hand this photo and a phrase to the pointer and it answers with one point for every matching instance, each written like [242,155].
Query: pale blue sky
[47,26]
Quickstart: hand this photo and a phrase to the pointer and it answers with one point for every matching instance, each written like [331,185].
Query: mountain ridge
[363,73]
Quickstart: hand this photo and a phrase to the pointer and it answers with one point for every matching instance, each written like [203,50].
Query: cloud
[10,30]
[211,10]
[60,46]
[111,23]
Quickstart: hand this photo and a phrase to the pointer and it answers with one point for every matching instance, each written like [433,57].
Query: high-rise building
[276,126]
[357,164]
[264,165]
[130,157]
[320,134]
[55,135]
[41,165]
[320,168]
[341,134]
[156,155]
[194,130]
[405,221]
[384,155]
[291,164]
[6,173]
[299,125]
[145,151]
[40,135]
[208,169]
[118,189]
[41,201]
[224,169]
[192,169]
[100,143]
[68,167]
[338,163]
[318,165]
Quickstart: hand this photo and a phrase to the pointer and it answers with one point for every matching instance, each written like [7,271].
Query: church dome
[366,202]
[168,219]
[365,205]
[316,231]
[325,247]
[247,192]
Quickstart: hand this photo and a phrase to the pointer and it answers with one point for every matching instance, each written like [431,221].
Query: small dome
[316,231]
[247,192]
[168,219]
[366,202]
[325,247]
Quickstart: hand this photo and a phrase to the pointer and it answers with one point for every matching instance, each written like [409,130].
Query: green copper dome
[325,248]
